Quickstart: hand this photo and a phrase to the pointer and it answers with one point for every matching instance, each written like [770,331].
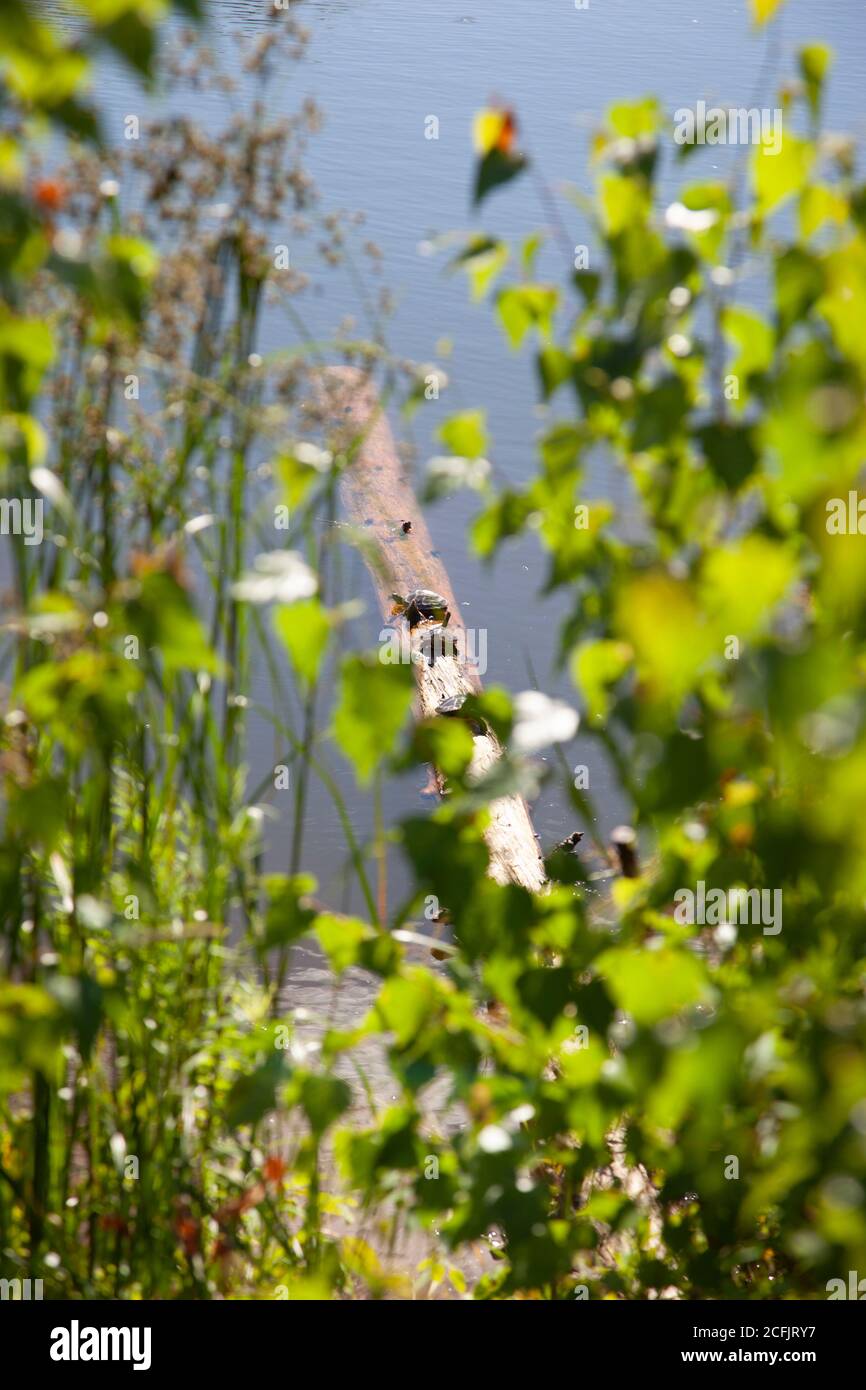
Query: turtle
[422,605]
[453,705]
[452,708]
[435,641]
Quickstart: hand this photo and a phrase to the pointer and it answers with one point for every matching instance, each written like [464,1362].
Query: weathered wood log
[377,497]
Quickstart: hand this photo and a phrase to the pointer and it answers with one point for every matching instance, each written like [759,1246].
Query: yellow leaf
[779,171]
[762,10]
[485,130]
[820,204]
[658,616]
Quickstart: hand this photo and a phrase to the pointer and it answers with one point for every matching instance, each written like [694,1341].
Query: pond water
[379,69]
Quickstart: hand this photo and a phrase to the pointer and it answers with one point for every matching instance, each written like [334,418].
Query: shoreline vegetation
[580,1091]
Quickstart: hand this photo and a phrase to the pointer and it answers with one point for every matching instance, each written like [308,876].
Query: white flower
[68,244]
[451,471]
[279,576]
[521,1115]
[679,344]
[117,1145]
[540,721]
[690,219]
[313,456]
[47,482]
[199,523]
[493,1139]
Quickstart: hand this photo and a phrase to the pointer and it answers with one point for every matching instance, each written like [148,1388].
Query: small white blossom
[278,576]
[541,721]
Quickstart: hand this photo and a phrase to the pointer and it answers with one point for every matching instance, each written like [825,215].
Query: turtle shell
[453,705]
[426,600]
[452,708]
[422,605]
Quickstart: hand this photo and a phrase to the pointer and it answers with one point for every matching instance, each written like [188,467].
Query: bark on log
[374,490]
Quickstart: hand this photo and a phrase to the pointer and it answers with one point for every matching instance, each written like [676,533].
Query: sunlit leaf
[373,701]
[523,307]
[744,582]
[287,915]
[494,137]
[466,434]
[815,60]
[596,666]
[652,985]
[779,174]
[304,628]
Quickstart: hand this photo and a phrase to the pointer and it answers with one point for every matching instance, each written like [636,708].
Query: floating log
[377,498]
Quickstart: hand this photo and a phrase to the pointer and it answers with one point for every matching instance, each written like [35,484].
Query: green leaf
[744,582]
[820,204]
[465,434]
[659,413]
[529,251]
[407,1004]
[631,119]
[304,628]
[625,203]
[506,517]
[80,999]
[31,1034]
[843,303]
[253,1095]
[731,453]
[652,985]
[323,1099]
[26,351]
[815,60]
[595,667]
[659,617]
[133,39]
[483,260]
[799,283]
[495,169]
[163,616]
[754,337]
[445,743]
[778,175]
[554,369]
[372,704]
[713,199]
[79,120]
[38,813]
[286,917]
[342,938]
[523,307]
[546,992]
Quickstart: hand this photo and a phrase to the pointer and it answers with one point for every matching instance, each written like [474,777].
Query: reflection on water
[327,1003]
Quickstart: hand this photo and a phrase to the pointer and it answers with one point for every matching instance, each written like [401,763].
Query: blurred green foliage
[648,1105]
